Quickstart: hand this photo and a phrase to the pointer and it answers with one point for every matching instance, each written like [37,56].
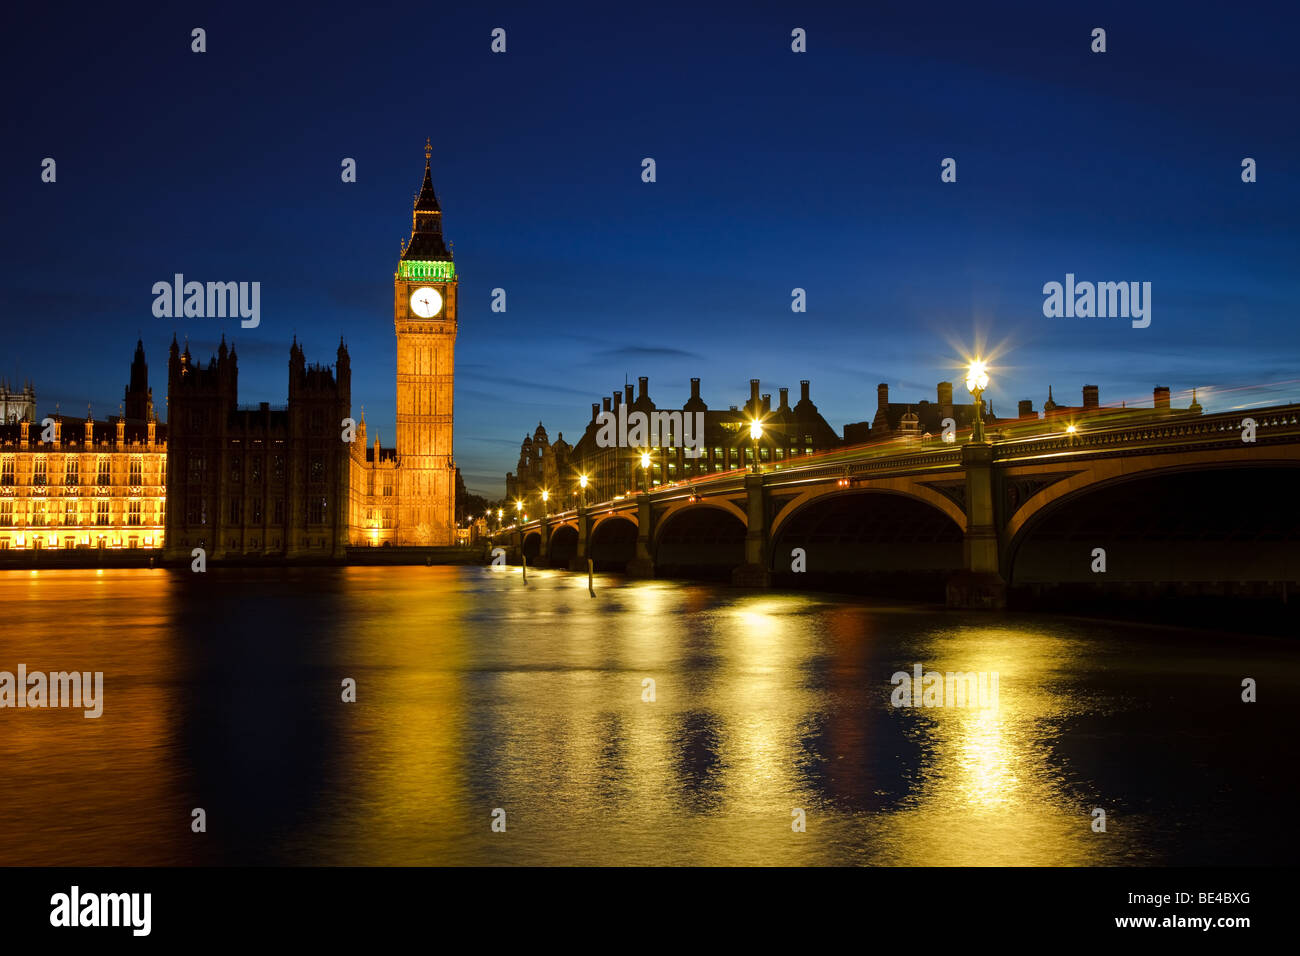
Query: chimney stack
[785,399]
[1162,396]
[606,403]
[803,390]
[767,404]
[882,395]
[643,384]
[1091,397]
[695,389]
[595,412]
[945,393]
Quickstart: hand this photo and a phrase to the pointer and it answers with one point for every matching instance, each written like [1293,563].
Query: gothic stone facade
[257,482]
[790,432]
[407,496]
[78,484]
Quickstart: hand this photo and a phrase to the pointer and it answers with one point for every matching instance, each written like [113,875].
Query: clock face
[426,302]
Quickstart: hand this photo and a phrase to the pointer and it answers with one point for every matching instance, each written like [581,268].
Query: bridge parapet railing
[1207,429]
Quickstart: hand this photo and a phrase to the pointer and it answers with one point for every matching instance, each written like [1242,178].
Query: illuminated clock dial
[426,302]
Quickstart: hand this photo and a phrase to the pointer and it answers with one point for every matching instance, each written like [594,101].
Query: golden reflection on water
[477,692]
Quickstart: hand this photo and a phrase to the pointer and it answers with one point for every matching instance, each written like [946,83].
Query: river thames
[479,692]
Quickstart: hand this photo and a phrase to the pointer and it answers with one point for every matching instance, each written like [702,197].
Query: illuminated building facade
[412,487]
[542,465]
[789,432]
[253,482]
[924,418]
[15,405]
[92,484]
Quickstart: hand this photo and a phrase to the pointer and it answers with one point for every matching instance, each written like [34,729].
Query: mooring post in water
[523,562]
[590,587]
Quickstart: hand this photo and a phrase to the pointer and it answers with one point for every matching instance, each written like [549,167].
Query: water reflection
[477,692]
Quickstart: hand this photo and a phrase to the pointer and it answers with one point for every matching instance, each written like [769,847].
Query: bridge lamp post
[977,379]
[519,510]
[582,492]
[755,433]
[545,497]
[645,470]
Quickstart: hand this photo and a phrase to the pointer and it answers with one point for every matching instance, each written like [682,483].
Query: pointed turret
[138,398]
[426,242]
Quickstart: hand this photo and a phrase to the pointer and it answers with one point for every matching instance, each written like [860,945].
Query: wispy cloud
[644,352]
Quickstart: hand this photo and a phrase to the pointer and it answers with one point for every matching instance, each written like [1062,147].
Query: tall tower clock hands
[426,302]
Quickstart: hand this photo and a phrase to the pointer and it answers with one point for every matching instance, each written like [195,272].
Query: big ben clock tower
[424,316]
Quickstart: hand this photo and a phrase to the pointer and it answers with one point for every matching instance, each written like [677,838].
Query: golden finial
[428,148]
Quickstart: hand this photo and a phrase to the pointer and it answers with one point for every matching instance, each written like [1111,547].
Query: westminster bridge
[1199,504]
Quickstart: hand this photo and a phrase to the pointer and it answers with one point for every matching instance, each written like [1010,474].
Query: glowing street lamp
[582,493]
[645,470]
[977,379]
[545,497]
[755,434]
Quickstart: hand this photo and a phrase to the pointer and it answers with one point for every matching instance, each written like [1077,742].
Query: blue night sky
[775,170]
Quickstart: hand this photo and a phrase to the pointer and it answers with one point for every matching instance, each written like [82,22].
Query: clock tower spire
[424,318]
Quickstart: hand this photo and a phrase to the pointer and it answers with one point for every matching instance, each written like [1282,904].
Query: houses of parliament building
[293,482]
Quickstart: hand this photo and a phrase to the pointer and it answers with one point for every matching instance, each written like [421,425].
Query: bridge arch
[872,538]
[723,504]
[905,487]
[532,545]
[1205,525]
[563,545]
[700,539]
[1115,469]
[613,542]
[598,519]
